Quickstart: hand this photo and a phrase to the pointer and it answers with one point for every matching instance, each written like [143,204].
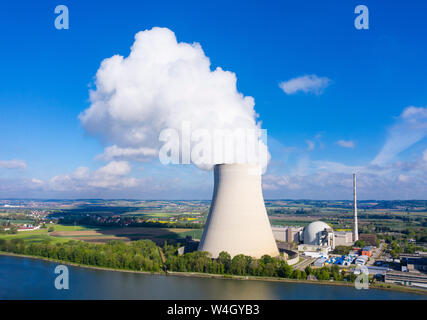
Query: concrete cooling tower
[237,220]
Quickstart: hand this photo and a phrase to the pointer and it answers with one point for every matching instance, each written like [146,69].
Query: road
[376,254]
[304,263]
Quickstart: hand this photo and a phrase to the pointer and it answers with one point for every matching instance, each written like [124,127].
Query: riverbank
[380,286]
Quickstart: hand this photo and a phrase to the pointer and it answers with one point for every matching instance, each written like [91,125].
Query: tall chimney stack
[356,229]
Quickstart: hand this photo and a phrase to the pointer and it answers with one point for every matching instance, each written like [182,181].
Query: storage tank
[237,222]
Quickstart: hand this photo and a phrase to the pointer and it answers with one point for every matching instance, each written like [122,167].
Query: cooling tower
[237,220]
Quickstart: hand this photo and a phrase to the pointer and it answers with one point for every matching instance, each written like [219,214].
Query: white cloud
[36,181]
[160,85]
[410,128]
[306,84]
[324,184]
[16,187]
[412,114]
[326,179]
[110,176]
[315,179]
[13,164]
[115,180]
[271,182]
[136,154]
[403,178]
[310,145]
[346,143]
[316,141]
[331,166]
[115,168]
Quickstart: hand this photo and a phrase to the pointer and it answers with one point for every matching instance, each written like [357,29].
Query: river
[27,278]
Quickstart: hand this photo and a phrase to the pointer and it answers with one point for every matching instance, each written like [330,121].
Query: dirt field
[158,235]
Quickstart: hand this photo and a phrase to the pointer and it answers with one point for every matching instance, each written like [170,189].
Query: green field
[40,235]
[33,236]
[64,233]
[24,221]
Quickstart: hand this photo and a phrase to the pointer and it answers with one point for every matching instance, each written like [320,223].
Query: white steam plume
[160,85]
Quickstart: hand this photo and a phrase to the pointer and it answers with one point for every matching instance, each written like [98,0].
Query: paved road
[304,263]
[376,254]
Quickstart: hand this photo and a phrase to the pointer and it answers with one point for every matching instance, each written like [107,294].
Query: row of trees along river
[145,255]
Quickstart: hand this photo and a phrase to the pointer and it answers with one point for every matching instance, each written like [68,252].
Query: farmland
[63,233]
[101,235]
[159,220]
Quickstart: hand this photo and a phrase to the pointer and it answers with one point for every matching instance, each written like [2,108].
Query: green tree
[284,270]
[296,274]
[253,268]
[360,244]
[225,259]
[308,270]
[239,265]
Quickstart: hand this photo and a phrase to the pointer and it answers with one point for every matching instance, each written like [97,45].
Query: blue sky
[373,77]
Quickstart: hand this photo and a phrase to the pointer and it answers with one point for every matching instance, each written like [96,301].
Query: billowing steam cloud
[164,84]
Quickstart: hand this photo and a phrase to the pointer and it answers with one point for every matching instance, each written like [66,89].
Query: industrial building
[414,267]
[361,260]
[318,236]
[378,271]
[317,239]
[414,279]
[369,239]
[320,262]
[313,251]
[189,245]
[292,234]
[344,260]
[238,223]
[416,261]
[366,251]
[287,233]
[343,238]
[319,233]
[237,220]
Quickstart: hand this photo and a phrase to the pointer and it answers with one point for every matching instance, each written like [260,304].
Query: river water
[26,278]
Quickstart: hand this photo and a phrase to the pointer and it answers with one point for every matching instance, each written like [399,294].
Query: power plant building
[287,233]
[343,238]
[237,222]
[319,233]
